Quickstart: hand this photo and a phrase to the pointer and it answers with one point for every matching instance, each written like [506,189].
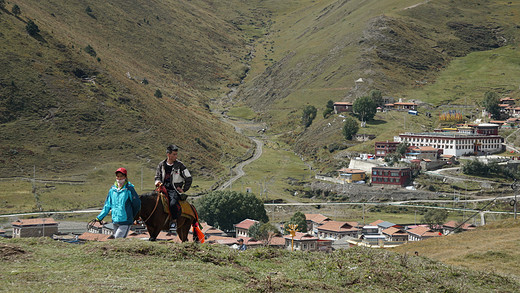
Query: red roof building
[314,221]
[335,230]
[301,241]
[452,226]
[420,233]
[340,107]
[242,228]
[395,234]
[41,227]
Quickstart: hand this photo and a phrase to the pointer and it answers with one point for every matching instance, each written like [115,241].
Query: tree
[2,4]
[299,219]
[329,108]
[16,10]
[491,102]
[364,108]
[263,232]
[350,128]
[309,113]
[400,152]
[222,209]
[377,97]
[158,93]
[402,148]
[435,217]
[31,28]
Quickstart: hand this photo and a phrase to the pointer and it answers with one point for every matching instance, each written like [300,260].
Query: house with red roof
[314,221]
[242,228]
[209,230]
[508,101]
[40,227]
[335,230]
[405,106]
[301,241]
[421,232]
[452,226]
[340,107]
[395,234]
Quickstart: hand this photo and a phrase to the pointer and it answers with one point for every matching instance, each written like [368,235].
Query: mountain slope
[60,104]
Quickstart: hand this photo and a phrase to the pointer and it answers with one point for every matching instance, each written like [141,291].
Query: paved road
[239,168]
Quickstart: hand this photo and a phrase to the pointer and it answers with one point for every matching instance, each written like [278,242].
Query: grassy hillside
[136,265]
[493,247]
[63,109]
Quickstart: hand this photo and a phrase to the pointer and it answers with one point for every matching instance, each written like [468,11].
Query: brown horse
[157,219]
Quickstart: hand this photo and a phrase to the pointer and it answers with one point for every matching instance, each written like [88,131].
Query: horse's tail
[195,225]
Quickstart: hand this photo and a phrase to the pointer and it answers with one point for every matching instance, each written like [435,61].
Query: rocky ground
[363,192]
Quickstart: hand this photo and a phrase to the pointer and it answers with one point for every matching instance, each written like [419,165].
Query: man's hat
[172,148]
[122,170]
[240,240]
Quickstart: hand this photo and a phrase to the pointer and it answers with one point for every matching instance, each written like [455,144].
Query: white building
[484,140]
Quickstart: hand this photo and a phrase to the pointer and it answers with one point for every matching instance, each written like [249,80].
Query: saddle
[186,209]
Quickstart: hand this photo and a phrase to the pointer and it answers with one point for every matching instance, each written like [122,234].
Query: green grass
[135,265]
[493,246]
[242,113]
[466,80]
[88,190]
[269,176]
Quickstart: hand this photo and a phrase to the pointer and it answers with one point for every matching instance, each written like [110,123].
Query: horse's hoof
[151,239]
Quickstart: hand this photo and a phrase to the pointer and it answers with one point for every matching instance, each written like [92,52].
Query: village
[323,233]
[427,151]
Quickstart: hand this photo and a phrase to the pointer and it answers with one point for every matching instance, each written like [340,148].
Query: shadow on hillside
[376,122]
[39,38]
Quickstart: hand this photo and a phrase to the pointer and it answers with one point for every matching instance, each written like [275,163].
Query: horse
[157,219]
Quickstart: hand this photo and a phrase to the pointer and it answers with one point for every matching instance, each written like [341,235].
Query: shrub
[31,28]
[16,10]
[90,51]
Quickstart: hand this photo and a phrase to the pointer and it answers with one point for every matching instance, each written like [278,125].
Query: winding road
[239,168]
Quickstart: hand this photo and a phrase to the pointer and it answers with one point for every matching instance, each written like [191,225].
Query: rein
[155,207]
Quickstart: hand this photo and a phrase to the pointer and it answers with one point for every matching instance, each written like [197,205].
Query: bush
[309,113]
[16,10]
[90,51]
[350,128]
[158,93]
[31,28]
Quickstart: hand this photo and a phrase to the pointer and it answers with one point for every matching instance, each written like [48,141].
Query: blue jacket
[124,203]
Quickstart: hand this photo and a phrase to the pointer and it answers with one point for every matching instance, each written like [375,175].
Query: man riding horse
[174,176]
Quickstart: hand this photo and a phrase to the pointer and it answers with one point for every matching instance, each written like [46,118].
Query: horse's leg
[182,232]
[152,232]
[195,236]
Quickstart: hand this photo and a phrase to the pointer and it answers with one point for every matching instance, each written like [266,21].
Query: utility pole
[515,186]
